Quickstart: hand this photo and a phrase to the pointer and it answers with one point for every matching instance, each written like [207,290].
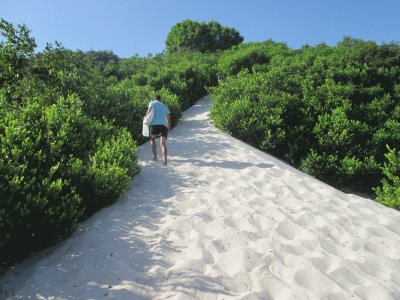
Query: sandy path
[222,221]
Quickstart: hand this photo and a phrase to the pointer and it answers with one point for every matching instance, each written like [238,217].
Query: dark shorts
[159,130]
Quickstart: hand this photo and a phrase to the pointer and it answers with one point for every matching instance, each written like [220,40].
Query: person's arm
[147,112]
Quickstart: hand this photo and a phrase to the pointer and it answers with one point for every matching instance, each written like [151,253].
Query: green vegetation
[201,36]
[389,193]
[249,56]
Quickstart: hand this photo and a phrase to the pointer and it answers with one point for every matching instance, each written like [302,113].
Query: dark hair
[157,97]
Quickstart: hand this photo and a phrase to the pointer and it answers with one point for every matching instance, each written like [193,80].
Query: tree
[16,46]
[203,37]
[106,61]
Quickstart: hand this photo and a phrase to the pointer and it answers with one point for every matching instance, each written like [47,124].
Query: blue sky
[129,27]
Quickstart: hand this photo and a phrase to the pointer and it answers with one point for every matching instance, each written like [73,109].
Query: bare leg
[153,146]
[163,144]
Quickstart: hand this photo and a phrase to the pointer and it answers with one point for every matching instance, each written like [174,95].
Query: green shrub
[244,56]
[186,75]
[109,171]
[191,35]
[389,193]
[37,204]
[51,156]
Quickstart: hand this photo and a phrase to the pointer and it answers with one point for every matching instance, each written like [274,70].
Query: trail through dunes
[221,221]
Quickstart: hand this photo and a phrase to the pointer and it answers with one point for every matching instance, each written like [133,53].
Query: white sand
[221,221]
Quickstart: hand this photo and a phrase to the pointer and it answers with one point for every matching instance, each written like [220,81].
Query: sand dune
[221,221]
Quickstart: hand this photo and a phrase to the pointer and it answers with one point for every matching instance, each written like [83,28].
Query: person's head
[157,97]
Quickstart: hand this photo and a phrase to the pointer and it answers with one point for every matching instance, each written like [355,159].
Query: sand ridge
[221,221]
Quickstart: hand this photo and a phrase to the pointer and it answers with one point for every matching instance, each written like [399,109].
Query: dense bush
[389,193]
[186,74]
[203,37]
[49,158]
[249,55]
[37,207]
[16,47]
[328,110]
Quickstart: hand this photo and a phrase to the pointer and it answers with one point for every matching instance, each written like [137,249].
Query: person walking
[159,126]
